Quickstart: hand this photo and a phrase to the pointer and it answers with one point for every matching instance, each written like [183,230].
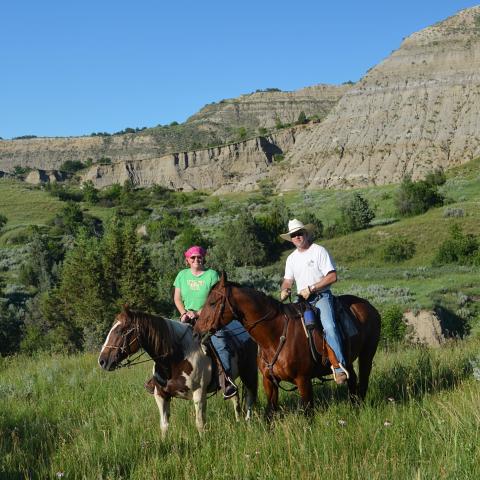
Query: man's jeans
[324,302]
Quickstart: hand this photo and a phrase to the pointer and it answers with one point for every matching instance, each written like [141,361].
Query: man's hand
[285,293]
[305,293]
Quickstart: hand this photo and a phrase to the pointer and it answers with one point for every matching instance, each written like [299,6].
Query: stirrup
[344,370]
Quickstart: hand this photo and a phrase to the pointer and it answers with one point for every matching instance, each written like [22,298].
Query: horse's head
[122,341]
[218,309]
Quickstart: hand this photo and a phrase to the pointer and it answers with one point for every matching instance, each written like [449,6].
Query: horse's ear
[126,308]
[223,278]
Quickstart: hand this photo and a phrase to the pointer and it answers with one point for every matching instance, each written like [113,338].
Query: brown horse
[179,360]
[284,350]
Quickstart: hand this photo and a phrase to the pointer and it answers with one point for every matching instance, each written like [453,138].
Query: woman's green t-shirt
[195,288]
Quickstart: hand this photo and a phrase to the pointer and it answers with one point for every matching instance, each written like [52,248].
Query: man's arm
[329,279]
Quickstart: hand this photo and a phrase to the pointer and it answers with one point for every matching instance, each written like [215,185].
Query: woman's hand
[189,316]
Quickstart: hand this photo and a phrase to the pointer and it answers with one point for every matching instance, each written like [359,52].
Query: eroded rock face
[266,108]
[234,167]
[417,110]
[424,327]
[212,123]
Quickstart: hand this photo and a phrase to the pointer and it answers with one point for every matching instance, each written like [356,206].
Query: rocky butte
[417,110]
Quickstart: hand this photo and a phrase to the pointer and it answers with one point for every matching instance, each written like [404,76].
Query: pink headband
[195,250]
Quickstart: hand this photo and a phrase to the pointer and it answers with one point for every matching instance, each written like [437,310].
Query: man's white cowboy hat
[294,226]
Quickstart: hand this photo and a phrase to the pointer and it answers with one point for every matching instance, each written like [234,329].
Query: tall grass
[62,417]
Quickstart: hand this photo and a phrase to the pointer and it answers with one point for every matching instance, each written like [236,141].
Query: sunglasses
[196,258]
[300,233]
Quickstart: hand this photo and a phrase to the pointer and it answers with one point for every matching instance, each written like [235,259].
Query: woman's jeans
[324,302]
[219,342]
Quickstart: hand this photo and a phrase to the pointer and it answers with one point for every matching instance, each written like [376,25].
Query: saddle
[319,348]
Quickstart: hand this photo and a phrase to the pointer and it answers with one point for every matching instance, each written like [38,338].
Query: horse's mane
[261,296]
[289,308]
[155,331]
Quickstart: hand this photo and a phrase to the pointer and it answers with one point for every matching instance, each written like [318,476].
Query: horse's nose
[102,363]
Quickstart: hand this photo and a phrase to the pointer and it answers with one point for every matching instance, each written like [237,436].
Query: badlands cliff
[417,110]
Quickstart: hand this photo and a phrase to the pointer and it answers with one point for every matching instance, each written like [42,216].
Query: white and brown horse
[179,360]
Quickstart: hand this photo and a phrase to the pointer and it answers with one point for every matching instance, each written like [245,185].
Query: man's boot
[154,382]
[340,373]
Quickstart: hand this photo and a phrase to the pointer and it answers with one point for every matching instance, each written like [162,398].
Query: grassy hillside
[412,284]
[62,417]
[24,205]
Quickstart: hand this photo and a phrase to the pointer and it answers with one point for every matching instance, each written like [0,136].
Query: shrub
[394,327]
[453,212]
[459,248]
[356,213]
[414,198]
[72,166]
[3,221]
[302,118]
[399,249]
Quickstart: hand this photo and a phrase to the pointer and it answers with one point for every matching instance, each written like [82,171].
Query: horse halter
[125,346]
[225,301]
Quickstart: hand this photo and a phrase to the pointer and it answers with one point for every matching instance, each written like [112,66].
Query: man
[313,270]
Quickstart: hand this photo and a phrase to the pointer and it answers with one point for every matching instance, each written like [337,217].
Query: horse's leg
[249,376]
[365,360]
[200,402]
[163,404]
[305,390]
[352,384]
[237,407]
[271,392]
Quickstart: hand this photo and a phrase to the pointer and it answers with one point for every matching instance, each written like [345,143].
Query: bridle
[125,348]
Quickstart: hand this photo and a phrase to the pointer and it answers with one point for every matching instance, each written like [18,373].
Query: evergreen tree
[356,213]
[137,280]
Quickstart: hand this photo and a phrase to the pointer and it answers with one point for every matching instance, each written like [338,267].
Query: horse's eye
[212,304]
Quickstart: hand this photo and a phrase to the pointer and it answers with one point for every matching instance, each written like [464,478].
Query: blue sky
[73,68]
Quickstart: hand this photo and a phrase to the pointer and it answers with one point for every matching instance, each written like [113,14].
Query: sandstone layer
[417,110]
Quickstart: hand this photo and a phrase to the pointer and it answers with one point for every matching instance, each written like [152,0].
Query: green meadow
[63,417]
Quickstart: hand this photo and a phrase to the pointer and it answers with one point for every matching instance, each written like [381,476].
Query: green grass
[64,416]
[24,205]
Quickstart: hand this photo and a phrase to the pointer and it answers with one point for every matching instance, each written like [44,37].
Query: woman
[192,286]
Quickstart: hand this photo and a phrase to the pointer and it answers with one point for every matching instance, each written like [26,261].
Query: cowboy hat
[294,226]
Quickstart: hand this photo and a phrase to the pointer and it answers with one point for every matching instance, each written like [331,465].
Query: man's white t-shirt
[309,266]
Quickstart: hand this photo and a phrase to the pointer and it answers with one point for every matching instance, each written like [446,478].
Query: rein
[283,337]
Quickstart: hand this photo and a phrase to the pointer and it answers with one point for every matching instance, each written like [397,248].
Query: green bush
[398,249]
[3,221]
[414,198]
[72,166]
[460,248]
[356,213]
[394,327]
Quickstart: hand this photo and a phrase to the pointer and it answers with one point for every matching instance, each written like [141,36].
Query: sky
[74,68]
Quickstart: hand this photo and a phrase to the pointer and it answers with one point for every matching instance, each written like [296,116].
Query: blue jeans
[324,303]
[219,342]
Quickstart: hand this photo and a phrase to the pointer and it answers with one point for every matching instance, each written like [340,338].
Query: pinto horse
[179,359]
[284,350]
